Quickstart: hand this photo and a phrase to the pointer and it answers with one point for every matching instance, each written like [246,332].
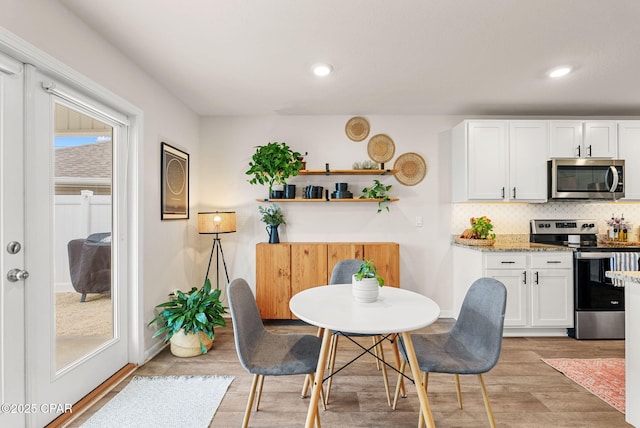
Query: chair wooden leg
[259,394]
[305,388]
[458,391]
[252,393]
[403,364]
[332,364]
[487,405]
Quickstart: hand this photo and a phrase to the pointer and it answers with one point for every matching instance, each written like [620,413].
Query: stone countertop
[627,276]
[513,246]
[509,242]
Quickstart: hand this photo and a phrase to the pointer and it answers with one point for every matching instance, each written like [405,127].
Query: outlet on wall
[418,221]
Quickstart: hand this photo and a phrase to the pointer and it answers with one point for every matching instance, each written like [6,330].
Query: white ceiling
[463,57]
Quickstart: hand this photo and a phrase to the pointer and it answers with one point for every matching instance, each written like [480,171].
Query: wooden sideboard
[285,269]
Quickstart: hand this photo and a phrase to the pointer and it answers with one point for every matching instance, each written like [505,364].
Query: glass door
[77,327]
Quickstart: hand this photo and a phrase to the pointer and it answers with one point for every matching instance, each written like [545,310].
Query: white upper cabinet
[583,139]
[528,160]
[487,160]
[629,151]
[499,160]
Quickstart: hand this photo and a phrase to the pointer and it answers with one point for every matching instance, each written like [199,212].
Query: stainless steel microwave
[586,179]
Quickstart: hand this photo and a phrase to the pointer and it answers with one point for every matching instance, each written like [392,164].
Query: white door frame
[24,52]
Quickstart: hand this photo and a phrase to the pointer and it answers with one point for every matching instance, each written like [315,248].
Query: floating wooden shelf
[348,172]
[324,200]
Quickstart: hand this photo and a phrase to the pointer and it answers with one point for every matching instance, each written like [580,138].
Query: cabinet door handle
[579,151]
[514,193]
[589,152]
[553,261]
[524,277]
[536,280]
[503,193]
[507,262]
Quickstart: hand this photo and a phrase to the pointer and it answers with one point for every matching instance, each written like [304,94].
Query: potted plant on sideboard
[273,163]
[366,283]
[188,319]
[273,217]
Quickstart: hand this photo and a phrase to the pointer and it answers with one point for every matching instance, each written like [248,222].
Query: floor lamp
[216,223]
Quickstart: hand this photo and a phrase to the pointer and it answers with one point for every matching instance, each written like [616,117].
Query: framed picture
[174,166]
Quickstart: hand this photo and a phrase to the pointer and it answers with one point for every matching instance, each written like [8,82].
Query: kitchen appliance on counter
[586,179]
[599,305]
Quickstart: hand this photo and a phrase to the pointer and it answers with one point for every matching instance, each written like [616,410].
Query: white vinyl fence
[77,216]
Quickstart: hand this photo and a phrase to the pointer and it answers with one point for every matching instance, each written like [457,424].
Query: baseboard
[153,351]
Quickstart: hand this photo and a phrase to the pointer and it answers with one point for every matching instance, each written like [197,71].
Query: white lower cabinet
[539,287]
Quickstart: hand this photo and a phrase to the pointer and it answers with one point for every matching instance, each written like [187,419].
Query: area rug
[163,401]
[601,377]
[90,318]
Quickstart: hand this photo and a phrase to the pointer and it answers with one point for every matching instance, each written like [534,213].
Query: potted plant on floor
[273,217]
[366,282]
[273,163]
[188,319]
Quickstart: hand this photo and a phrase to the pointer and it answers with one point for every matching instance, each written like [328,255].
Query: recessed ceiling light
[559,71]
[322,70]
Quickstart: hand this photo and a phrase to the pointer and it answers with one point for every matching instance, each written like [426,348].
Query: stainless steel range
[599,305]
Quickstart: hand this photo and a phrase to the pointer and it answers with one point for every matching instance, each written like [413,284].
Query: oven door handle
[591,256]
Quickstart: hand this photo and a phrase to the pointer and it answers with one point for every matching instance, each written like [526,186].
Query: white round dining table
[332,308]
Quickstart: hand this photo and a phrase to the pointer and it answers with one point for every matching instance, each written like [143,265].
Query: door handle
[589,150]
[15,275]
[524,277]
[514,193]
[503,193]
[578,151]
[536,280]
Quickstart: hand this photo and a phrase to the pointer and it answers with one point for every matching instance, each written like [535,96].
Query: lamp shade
[217,222]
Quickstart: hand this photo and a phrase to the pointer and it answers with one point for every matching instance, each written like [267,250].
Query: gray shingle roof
[88,161]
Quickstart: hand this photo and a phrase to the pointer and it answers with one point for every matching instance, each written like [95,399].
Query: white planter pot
[365,291]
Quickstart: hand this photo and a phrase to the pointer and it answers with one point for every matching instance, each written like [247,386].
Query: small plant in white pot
[366,282]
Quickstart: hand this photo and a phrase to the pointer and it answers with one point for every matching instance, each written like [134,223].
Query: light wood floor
[524,392]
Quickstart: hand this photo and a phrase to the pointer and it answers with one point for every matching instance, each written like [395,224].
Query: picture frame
[174,183]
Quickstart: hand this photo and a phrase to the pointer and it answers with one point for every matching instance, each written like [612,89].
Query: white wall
[167,247]
[226,149]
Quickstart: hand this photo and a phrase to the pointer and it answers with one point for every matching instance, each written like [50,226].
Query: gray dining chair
[341,274]
[472,346]
[263,353]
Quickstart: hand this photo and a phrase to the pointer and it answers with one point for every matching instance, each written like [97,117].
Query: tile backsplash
[513,218]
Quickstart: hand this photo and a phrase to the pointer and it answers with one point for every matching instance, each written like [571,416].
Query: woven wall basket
[411,169]
[381,148]
[357,128]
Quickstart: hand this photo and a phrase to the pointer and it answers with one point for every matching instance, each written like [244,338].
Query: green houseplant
[366,283]
[273,163]
[377,191]
[273,217]
[195,314]
[368,269]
